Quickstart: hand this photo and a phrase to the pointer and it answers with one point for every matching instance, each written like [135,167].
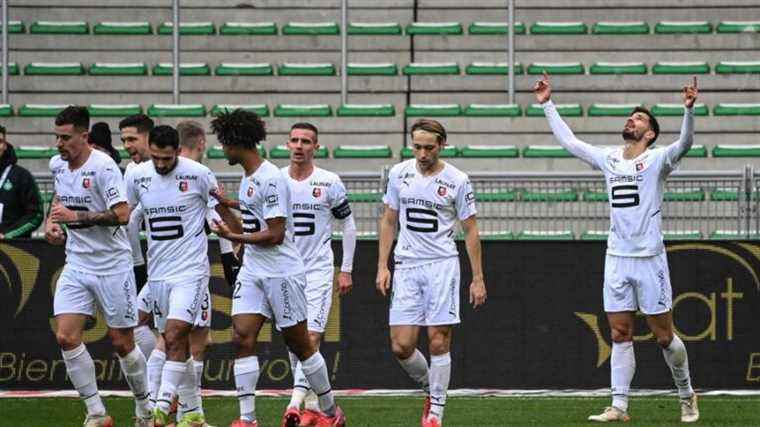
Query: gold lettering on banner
[603,349]
[27,266]
[729,296]
[753,368]
[711,305]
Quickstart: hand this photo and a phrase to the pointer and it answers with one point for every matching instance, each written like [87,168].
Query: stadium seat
[620,28]
[374,29]
[618,68]
[597,235]
[15,27]
[686,27]
[493,110]
[489,151]
[6,110]
[300,110]
[697,150]
[282,152]
[114,110]
[306,69]
[185,69]
[496,196]
[35,152]
[13,69]
[550,195]
[54,69]
[248,29]
[732,235]
[677,110]
[738,27]
[545,152]
[177,110]
[365,196]
[59,27]
[362,152]
[684,195]
[559,28]
[691,67]
[448,151]
[566,110]
[188,28]
[217,153]
[496,235]
[371,69]
[546,235]
[611,110]
[261,109]
[738,150]
[40,110]
[556,68]
[492,68]
[122,28]
[737,109]
[433,110]
[434,29]
[244,69]
[724,194]
[595,196]
[494,28]
[682,235]
[431,68]
[737,67]
[311,29]
[366,110]
[118,69]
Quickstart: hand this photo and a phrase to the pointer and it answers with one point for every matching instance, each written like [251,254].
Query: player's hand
[690,94]
[60,214]
[477,292]
[383,281]
[221,196]
[54,234]
[345,282]
[220,228]
[543,89]
[2,236]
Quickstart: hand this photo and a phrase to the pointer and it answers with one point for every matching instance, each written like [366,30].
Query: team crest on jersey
[86,183]
[639,166]
[249,193]
[442,191]
[183,186]
[316,192]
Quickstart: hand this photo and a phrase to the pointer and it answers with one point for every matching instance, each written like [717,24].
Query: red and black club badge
[442,191]
[86,183]
[316,192]
[183,186]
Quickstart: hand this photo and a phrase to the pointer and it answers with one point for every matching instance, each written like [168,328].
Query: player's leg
[155,367]
[190,400]
[144,337]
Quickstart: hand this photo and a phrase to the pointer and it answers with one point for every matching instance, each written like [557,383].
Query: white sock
[246,376]
[622,368]
[417,368]
[311,402]
[145,339]
[133,366]
[187,392]
[300,383]
[315,370]
[678,361]
[155,368]
[440,375]
[171,376]
[81,370]
[198,366]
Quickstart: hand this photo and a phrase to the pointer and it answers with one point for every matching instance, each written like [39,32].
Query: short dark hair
[307,126]
[239,128]
[3,130]
[432,126]
[76,115]
[652,122]
[141,122]
[164,136]
[190,132]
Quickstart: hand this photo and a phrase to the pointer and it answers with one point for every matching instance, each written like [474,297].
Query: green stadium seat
[677,110]
[611,110]
[118,69]
[185,69]
[13,69]
[311,29]
[59,27]
[365,196]
[372,69]
[40,110]
[431,68]
[433,110]
[188,28]
[244,69]
[122,28]
[737,67]
[306,69]
[374,29]
[177,110]
[362,152]
[217,153]
[690,67]
[54,69]
[732,235]
[685,27]
[596,235]
[496,235]
[697,150]
[448,151]
[738,27]
[496,196]
[595,196]
[559,28]
[282,152]
[620,28]
[545,152]
[556,68]
[552,195]
[618,68]
[546,235]
[566,110]
[730,150]
[261,109]
[494,28]
[35,152]
[248,29]
[15,27]
[366,110]
[684,195]
[294,110]
[492,68]
[434,29]
[737,109]
[114,110]
[724,194]
[682,235]
[6,110]
[493,110]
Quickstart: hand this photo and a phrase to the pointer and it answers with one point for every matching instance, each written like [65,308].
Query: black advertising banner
[543,325]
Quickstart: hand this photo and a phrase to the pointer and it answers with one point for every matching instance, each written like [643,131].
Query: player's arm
[344,219]
[678,149]
[472,241]
[54,233]
[111,183]
[387,233]
[229,218]
[274,234]
[221,196]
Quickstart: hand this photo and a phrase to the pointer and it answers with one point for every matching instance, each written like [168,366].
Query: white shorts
[179,299]
[281,299]
[319,293]
[642,283]
[202,320]
[77,292]
[426,295]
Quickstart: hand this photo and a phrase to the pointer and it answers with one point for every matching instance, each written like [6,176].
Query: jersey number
[304,228]
[625,196]
[421,220]
[166,228]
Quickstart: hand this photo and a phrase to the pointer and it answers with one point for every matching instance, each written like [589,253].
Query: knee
[402,350]
[315,339]
[439,344]
[122,340]
[621,333]
[68,340]
[243,341]
[664,339]
[198,350]
[175,339]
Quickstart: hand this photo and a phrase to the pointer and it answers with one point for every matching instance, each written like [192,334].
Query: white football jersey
[265,195]
[428,209]
[95,187]
[174,208]
[315,201]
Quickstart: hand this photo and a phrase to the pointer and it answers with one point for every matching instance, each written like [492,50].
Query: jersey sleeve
[131,188]
[112,185]
[465,201]
[275,199]
[339,201]
[211,185]
[590,154]
[675,151]
[391,197]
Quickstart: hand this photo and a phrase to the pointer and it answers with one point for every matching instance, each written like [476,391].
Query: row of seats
[381,69]
[384,28]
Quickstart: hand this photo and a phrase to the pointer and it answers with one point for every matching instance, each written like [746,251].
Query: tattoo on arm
[107,218]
